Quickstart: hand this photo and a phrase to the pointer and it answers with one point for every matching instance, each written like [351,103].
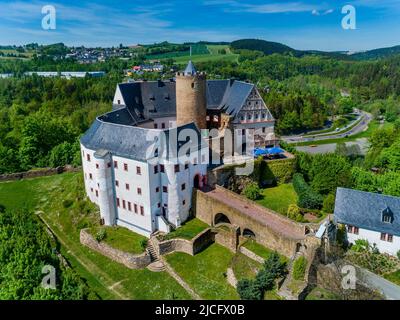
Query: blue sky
[302,24]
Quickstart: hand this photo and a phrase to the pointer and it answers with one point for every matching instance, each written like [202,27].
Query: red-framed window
[88,157]
[139,191]
[141,210]
[115,164]
[138,171]
[125,166]
[124,204]
[108,164]
[118,203]
[90,176]
[97,166]
[127,186]
[97,193]
[129,206]
[135,207]
[116,183]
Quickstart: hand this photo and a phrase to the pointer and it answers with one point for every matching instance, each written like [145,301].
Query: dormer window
[387,215]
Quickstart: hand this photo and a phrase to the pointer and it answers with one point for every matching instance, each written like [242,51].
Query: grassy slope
[260,250]
[204,272]
[188,230]
[279,198]
[109,279]
[122,239]
[214,55]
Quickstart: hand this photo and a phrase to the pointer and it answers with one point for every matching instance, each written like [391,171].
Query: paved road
[361,126]
[331,147]
[389,289]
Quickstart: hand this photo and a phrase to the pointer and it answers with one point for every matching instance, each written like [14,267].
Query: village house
[369,216]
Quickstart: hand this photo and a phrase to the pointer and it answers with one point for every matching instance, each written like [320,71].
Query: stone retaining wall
[38,173]
[131,261]
[198,243]
[251,255]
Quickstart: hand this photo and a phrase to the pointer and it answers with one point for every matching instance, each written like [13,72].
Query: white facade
[374,237]
[139,195]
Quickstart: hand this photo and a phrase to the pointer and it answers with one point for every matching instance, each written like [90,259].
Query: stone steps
[156,266]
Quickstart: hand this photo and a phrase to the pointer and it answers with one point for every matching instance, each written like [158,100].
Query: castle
[139,170]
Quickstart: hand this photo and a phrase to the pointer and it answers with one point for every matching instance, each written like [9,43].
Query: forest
[43,118]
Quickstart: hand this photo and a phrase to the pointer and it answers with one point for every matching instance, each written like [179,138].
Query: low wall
[228,239]
[131,261]
[251,255]
[38,173]
[198,243]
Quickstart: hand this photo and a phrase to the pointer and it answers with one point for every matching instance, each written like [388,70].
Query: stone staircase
[284,290]
[156,264]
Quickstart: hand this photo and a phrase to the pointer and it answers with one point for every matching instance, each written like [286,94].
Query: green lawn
[321,294]
[122,239]
[244,267]
[188,230]
[110,280]
[260,250]
[278,198]
[205,272]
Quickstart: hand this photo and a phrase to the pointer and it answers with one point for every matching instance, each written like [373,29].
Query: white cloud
[315,12]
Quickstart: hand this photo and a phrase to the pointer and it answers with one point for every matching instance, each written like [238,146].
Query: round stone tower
[191,105]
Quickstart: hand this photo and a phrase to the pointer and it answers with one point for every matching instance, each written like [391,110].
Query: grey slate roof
[132,141]
[155,99]
[121,140]
[364,210]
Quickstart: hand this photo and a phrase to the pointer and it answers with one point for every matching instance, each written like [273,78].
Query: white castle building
[142,160]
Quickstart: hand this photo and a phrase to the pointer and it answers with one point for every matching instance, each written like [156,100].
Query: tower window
[192,85]
[129,206]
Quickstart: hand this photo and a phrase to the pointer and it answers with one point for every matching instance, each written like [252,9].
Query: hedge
[308,198]
[279,171]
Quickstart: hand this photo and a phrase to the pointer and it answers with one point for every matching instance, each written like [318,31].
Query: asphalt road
[390,290]
[360,127]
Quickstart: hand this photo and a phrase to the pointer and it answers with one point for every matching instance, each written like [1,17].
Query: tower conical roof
[190,69]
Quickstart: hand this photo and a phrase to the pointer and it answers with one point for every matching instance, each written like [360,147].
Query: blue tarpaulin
[260,152]
[275,150]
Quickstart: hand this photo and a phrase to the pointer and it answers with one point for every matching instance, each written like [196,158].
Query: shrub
[101,235]
[329,203]
[252,191]
[299,268]
[249,290]
[143,243]
[294,213]
[307,197]
[67,203]
[360,245]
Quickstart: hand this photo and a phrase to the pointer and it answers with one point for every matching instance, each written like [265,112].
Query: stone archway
[221,218]
[249,234]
